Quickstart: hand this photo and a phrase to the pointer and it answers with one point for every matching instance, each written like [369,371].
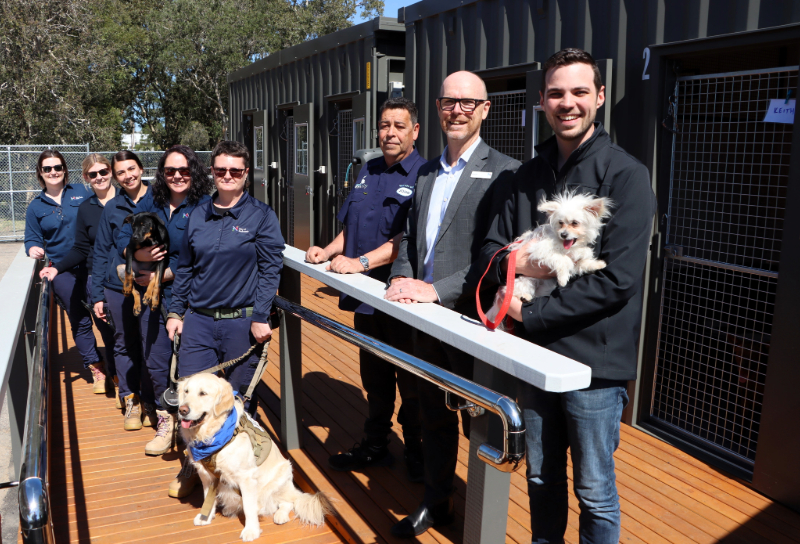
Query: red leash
[510,275]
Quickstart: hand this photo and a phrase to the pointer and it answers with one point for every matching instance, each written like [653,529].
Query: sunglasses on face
[57,168]
[467,104]
[183,171]
[236,173]
[102,173]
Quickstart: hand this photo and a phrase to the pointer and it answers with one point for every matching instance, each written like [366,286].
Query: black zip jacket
[85,231]
[596,318]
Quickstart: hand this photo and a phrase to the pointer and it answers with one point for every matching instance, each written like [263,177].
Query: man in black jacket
[595,319]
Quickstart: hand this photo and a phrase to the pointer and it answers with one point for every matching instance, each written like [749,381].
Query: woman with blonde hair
[97,173]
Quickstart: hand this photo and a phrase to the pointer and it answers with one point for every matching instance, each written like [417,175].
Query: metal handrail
[34,504]
[481,398]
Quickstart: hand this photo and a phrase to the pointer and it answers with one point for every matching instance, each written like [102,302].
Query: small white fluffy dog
[563,244]
[205,403]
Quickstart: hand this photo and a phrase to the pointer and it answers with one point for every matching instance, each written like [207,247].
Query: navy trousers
[156,349]
[106,333]
[132,374]
[207,342]
[71,289]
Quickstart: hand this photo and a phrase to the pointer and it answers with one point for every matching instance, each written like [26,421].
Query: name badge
[481,175]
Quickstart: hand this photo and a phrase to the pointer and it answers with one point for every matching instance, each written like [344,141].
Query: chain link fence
[18,183]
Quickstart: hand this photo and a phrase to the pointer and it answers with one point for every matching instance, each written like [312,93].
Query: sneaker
[133,413]
[414,464]
[164,439]
[150,418]
[362,455]
[116,391]
[99,377]
[184,482]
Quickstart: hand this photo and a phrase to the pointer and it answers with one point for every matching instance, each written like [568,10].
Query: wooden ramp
[103,488]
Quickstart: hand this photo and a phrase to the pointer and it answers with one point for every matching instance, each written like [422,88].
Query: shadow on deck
[104,489]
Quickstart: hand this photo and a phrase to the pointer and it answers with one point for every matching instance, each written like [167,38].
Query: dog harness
[510,275]
[261,443]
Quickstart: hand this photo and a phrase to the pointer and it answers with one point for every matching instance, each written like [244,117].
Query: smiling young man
[595,319]
[374,216]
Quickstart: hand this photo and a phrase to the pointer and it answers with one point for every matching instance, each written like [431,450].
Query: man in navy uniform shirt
[374,216]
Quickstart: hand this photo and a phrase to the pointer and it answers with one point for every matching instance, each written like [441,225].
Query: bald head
[464,84]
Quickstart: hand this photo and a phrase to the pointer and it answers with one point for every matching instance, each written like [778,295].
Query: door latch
[309,191]
[674,251]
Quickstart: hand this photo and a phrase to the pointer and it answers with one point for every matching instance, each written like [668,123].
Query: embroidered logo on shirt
[404,191]
[362,184]
[186,215]
[76,198]
[239,229]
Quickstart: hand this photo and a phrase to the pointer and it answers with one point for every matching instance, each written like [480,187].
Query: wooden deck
[103,488]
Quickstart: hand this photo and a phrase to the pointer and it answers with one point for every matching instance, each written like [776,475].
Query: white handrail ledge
[528,362]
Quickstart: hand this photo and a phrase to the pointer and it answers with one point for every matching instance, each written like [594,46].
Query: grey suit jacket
[463,229]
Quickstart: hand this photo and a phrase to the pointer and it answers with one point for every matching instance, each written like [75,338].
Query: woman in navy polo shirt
[97,173]
[227,277]
[107,287]
[181,184]
[50,230]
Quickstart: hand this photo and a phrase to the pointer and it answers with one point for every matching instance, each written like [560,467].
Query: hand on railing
[48,272]
[36,252]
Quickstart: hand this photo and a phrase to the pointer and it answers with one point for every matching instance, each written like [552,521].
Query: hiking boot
[133,413]
[118,405]
[362,455]
[150,418]
[184,482]
[414,463]
[164,439]
[99,377]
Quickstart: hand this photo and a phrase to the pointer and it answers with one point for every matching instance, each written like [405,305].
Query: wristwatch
[364,262]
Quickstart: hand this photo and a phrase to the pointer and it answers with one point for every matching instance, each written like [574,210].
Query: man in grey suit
[445,230]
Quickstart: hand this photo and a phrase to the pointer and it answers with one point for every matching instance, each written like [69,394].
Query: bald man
[444,233]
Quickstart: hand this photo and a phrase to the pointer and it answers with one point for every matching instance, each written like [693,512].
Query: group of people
[223,264]
[431,229]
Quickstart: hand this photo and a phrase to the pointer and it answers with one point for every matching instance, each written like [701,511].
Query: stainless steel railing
[478,398]
[36,524]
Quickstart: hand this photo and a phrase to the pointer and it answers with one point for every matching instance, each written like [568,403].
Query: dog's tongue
[185,423]
[568,243]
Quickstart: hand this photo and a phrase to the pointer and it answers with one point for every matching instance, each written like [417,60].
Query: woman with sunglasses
[181,184]
[226,280]
[97,173]
[135,387]
[50,231]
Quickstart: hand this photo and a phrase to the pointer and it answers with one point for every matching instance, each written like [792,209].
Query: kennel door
[724,224]
[259,147]
[303,176]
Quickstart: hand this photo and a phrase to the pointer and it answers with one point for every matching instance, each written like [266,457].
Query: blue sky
[390,8]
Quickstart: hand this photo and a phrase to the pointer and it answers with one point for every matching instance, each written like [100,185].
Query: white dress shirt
[441,194]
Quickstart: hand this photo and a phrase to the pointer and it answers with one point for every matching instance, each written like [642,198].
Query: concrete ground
[9,509]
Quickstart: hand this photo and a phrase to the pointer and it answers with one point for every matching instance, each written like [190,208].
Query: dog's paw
[199,519]
[282,516]
[249,534]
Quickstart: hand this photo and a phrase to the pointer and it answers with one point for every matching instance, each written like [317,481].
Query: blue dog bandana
[201,450]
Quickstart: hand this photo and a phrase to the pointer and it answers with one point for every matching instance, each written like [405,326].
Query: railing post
[291,361]
[488,489]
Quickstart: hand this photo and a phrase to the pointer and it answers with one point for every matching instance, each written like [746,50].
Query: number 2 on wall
[646,57]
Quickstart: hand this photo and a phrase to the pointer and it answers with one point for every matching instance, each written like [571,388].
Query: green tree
[195,136]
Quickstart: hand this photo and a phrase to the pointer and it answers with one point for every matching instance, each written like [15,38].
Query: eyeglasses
[102,173]
[183,171]
[57,168]
[467,104]
[236,173]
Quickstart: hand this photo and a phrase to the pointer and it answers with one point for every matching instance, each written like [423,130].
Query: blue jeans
[587,422]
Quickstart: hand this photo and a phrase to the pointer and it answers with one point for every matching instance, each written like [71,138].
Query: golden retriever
[205,401]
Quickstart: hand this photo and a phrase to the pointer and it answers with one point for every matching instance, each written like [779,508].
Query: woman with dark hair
[50,230]
[97,173]
[181,184]
[135,387]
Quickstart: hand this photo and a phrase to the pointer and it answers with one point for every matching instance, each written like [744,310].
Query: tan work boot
[184,482]
[165,435]
[133,413]
[116,390]
[150,418]
[99,377]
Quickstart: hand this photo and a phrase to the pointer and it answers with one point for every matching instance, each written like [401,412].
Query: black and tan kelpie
[148,231]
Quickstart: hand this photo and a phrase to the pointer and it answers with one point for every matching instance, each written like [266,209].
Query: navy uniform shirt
[51,226]
[176,228]
[375,212]
[231,260]
[106,256]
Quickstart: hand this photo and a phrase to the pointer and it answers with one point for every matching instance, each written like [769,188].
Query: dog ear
[224,398]
[128,219]
[548,206]
[599,207]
